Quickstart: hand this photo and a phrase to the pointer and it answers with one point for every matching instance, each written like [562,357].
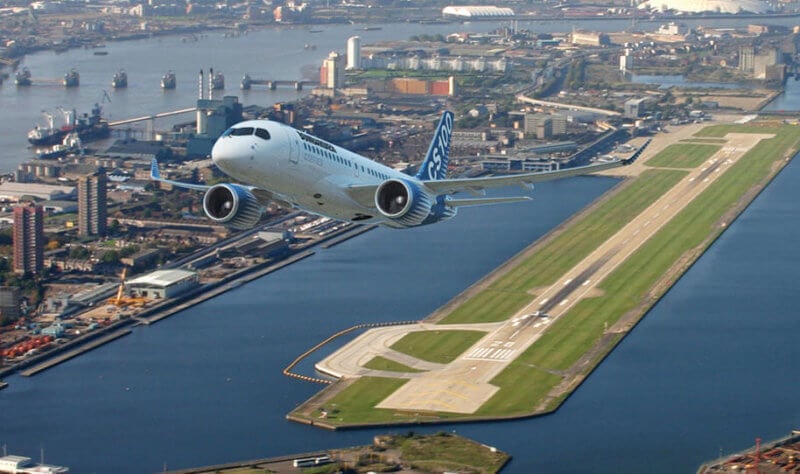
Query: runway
[463,385]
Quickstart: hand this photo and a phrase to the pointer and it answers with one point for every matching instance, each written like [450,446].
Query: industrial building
[9,303]
[506,164]
[11,191]
[162,284]
[634,108]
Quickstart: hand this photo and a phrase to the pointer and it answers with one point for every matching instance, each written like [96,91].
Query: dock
[65,356]
[773,457]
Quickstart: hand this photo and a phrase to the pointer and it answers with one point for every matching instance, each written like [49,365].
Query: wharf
[777,456]
[167,308]
[65,356]
[278,464]
[347,236]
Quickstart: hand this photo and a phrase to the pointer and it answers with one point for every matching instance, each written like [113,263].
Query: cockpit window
[228,132]
[237,132]
[261,133]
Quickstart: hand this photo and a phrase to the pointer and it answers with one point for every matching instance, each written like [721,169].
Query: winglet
[155,174]
[435,165]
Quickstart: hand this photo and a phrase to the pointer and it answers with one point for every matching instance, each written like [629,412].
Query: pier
[272,84]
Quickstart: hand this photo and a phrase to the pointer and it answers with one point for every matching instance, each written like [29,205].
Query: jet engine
[232,205]
[403,202]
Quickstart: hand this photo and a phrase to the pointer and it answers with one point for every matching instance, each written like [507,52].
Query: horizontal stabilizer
[482,201]
[155,175]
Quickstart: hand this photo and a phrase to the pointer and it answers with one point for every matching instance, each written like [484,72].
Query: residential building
[28,239]
[92,202]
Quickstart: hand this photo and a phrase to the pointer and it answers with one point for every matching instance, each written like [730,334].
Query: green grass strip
[356,403]
[437,346]
[382,363]
[501,299]
[522,386]
[573,335]
[683,155]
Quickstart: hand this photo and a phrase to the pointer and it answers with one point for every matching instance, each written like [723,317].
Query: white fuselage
[300,169]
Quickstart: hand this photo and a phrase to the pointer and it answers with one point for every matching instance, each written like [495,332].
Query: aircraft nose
[227,151]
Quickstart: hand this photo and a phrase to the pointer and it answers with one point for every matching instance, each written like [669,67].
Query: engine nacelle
[403,202]
[232,205]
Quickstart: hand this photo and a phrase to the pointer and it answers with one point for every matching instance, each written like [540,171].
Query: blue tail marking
[154,173]
[435,165]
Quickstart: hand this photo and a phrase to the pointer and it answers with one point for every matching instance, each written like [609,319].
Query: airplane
[294,169]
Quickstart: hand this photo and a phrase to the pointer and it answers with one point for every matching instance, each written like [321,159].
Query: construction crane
[121,300]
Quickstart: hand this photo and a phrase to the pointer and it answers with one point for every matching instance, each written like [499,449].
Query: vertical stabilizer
[435,165]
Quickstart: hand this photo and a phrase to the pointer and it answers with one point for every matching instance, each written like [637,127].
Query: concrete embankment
[156,313]
[270,464]
[65,356]
[347,236]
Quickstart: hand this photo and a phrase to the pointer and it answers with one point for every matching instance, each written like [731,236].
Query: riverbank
[410,453]
[165,309]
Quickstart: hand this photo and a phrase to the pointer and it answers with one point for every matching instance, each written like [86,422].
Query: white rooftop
[162,278]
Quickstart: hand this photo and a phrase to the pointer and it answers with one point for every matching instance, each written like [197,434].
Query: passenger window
[261,133]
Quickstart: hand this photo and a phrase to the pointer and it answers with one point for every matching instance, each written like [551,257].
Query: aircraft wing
[364,195]
[263,196]
[477,185]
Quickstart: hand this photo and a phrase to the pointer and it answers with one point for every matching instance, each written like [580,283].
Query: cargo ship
[120,79]
[168,80]
[23,77]
[88,127]
[71,78]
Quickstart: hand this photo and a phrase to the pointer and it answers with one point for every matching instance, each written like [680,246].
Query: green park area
[544,375]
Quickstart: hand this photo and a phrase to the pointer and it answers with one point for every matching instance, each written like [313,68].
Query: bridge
[149,122]
[272,84]
[151,117]
[529,100]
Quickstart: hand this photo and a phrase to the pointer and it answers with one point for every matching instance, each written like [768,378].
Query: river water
[711,367]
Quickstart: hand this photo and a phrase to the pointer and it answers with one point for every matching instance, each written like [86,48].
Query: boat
[371,28]
[71,144]
[23,464]
[100,53]
[168,80]
[71,78]
[88,127]
[23,77]
[120,79]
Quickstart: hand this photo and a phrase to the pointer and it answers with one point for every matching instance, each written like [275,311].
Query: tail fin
[435,165]
[154,173]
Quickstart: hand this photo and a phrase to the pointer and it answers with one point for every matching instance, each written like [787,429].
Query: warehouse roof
[162,278]
[476,11]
